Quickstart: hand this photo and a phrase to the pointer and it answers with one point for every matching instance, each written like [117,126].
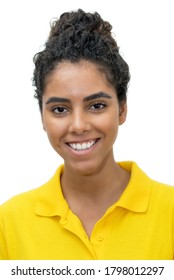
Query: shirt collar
[136,196]
[51,202]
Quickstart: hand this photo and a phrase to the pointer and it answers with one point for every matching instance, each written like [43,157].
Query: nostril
[79,126]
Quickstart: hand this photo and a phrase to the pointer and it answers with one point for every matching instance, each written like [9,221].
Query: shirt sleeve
[3,245]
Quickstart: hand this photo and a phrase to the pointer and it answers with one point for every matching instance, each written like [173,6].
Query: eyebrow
[97,95]
[87,98]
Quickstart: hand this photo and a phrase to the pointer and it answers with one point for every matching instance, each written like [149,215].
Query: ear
[122,112]
[43,127]
[43,124]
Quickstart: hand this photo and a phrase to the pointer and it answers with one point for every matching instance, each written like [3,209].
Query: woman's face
[81,116]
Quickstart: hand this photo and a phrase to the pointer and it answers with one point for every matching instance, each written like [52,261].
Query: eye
[59,110]
[98,106]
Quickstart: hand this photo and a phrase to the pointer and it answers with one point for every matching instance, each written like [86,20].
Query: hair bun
[80,21]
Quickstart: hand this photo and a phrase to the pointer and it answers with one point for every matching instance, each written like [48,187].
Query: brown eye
[98,106]
[59,110]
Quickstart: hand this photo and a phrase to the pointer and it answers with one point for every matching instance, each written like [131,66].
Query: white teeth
[82,147]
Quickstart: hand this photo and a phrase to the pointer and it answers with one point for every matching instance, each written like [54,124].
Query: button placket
[100,237]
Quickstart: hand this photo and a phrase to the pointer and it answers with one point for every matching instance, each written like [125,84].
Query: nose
[79,122]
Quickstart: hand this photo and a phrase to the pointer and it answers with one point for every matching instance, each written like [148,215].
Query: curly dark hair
[76,36]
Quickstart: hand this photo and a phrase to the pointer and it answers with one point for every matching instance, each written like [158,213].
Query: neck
[109,178]
[90,196]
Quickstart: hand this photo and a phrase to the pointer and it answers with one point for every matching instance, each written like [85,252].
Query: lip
[82,152]
[82,141]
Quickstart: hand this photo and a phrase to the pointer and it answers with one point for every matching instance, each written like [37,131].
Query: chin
[85,169]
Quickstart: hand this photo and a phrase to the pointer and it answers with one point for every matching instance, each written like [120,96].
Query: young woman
[93,207]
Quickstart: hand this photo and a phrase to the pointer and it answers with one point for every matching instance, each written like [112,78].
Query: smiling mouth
[82,146]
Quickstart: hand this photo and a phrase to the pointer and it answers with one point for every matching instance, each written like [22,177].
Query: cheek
[109,127]
[54,129]
[109,122]
[112,130]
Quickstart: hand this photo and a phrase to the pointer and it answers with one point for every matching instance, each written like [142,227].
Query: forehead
[76,79]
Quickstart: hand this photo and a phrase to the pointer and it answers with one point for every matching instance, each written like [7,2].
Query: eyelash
[98,106]
[59,112]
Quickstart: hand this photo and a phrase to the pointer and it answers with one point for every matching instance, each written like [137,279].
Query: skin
[80,106]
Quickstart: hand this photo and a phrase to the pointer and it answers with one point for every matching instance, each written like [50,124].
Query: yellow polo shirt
[140,225]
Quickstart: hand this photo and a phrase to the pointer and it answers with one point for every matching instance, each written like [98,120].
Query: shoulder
[162,191]
[21,201]
[27,200]
[141,183]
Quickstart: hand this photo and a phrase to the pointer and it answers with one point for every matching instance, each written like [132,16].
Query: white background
[144,30]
